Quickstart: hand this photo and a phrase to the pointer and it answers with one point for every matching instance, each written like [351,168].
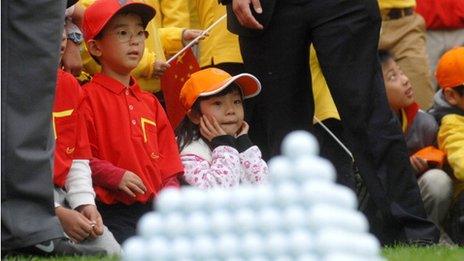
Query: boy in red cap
[127,128]
[449,111]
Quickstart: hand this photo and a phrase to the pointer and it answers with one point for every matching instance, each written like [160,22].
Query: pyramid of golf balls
[300,214]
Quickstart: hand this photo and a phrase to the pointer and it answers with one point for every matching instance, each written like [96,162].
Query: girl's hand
[244,129]
[420,165]
[210,128]
[160,68]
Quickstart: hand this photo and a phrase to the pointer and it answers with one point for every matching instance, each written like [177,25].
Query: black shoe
[60,247]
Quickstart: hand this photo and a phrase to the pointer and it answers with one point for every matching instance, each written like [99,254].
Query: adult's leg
[454,223]
[31,33]
[345,35]
[279,59]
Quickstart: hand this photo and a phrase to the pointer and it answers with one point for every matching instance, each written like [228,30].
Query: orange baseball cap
[450,68]
[211,81]
[98,14]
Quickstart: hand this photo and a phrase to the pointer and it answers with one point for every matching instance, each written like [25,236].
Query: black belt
[396,13]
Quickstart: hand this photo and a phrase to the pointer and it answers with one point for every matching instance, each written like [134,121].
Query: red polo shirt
[70,142]
[128,128]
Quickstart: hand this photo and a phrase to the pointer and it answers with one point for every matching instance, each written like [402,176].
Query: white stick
[196,39]
[335,138]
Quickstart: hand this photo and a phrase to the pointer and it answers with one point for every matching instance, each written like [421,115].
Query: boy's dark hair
[459,89]
[187,131]
[384,56]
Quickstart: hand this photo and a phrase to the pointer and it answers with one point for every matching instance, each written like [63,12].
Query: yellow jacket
[324,106]
[220,46]
[451,141]
[387,4]
[154,45]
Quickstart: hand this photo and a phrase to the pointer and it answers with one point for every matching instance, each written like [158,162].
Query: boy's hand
[160,68]
[131,184]
[420,165]
[244,129]
[74,224]
[91,212]
[210,128]
[190,34]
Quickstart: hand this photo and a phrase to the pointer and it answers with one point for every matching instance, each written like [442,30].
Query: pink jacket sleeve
[255,169]
[224,170]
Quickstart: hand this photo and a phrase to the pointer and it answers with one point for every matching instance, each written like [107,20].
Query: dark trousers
[122,219]
[454,223]
[31,34]
[345,35]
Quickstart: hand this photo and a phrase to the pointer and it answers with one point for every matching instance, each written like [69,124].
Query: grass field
[398,253]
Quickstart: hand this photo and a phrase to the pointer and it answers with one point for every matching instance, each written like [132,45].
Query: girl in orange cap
[213,138]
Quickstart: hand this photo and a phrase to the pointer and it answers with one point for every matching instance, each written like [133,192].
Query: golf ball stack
[300,214]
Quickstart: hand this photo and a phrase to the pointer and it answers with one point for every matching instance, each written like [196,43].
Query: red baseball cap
[211,81]
[98,14]
[450,68]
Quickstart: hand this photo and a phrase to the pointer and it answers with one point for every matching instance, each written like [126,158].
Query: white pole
[196,39]
[335,138]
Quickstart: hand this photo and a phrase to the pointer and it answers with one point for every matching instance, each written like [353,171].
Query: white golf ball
[287,193]
[204,248]
[337,240]
[252,245]
[321,192]
[295,217]
[245,221]
[321,216]
[182,248]
[158,249]
[276,245]
[168,200]
[299,143]
[313,168]
[243,197]
[280,169]
[263,197]
[134,249]
[219,198]
[198,223]
[221,222]
[227,245]
[193,199]
[269,220]
[174,225]
[301,242]
[150,225]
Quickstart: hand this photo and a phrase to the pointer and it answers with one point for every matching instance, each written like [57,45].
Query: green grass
[398,253]
[432,253]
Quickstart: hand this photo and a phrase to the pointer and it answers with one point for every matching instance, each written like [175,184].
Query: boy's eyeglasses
[125,36]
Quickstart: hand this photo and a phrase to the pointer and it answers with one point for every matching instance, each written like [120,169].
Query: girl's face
[397,85]
[226,109]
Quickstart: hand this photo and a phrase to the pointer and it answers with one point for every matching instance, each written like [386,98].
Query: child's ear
[194,116]
[450,96]
[94,48]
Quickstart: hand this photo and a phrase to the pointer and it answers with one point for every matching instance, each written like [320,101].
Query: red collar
[115,86]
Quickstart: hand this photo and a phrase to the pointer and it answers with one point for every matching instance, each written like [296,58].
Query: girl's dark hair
[186,132]
[384,56]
